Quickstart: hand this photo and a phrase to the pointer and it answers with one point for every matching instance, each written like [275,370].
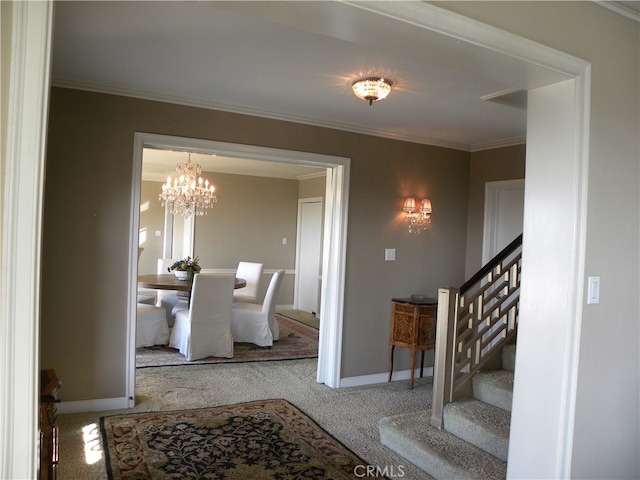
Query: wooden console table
[49,386]
[413,326]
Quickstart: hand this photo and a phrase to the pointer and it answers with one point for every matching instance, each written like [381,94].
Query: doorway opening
[333,239]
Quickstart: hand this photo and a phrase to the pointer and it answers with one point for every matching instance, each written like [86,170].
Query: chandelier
[187,194]
[371,89]
[418,217]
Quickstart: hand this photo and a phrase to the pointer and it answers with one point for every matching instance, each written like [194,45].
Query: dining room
[254,218]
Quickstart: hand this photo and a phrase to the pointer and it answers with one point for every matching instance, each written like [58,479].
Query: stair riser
[500,399]
[509,358]
[437,452]
[488,436]
[494,388]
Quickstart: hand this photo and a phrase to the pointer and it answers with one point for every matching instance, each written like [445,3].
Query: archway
[334,243]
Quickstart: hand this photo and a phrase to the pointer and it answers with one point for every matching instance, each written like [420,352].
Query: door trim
[296,289]
[334,239]
[491,196]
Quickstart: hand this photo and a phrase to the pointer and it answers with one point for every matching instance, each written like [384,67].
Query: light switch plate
[593,290]
[389,254]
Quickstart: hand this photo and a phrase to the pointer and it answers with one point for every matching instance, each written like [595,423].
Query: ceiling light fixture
[188,194]
[371,88]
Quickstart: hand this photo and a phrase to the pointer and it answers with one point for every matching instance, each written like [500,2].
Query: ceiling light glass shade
[371,89]
[188,194]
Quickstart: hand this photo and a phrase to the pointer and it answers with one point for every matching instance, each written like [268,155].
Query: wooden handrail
[517,242]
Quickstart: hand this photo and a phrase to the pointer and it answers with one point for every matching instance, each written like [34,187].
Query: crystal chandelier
[371,89]
[188,194]
[419,217]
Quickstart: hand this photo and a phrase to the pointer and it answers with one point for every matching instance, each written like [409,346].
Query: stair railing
[473,323]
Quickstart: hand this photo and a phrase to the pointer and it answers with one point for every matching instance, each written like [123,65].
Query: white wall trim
[22,203]
[619,8]
[336,203]
[507,142]
[475,32]
[266,271]
[377,378]
[96,405]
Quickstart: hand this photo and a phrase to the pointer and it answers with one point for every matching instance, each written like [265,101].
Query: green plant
[186,265]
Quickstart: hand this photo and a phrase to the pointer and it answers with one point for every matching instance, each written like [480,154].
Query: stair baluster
[474,323]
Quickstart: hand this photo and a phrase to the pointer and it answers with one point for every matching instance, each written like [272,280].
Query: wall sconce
[418,217]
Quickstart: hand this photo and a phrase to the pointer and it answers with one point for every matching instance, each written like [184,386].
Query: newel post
[443,365]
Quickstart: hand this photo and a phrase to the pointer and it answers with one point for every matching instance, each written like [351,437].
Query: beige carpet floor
[349,414]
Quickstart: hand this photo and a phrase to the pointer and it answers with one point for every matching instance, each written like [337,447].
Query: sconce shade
[426,206]
[409,205]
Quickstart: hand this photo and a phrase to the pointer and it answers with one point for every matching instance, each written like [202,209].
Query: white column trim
[23,181]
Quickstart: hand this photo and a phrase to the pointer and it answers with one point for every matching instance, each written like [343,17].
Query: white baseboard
[98,405]
[383,377]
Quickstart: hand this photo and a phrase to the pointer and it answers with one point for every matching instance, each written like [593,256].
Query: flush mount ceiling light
[371,88]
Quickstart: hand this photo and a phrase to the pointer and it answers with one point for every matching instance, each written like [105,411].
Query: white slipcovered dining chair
[145,295]
[151,326]
[252,273]
[255,323]
[204,329]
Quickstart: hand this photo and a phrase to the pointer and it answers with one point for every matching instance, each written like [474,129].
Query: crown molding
[621,9]
[200,103]
[507,142]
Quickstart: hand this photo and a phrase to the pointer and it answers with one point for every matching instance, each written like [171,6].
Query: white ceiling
[295,61]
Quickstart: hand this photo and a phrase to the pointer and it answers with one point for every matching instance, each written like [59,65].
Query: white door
[503,215]
[308,255]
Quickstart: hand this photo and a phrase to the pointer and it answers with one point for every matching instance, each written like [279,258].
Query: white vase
[181,274]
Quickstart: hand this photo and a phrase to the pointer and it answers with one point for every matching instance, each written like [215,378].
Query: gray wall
[252,216]
[86,229]
[487,166]
[313,187]
[151,221]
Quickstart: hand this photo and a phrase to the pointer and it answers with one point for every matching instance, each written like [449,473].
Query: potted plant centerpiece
[185,269]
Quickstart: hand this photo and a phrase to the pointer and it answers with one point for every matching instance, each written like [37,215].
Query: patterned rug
[297,340]
[268,439]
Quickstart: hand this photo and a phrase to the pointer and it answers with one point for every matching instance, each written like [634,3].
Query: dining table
[168,281]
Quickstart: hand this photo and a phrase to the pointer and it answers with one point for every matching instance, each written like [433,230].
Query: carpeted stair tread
[494,387]
[438,452]
[480,424]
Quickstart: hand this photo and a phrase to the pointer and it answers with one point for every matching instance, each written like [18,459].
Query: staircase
[465,433]
[474,441]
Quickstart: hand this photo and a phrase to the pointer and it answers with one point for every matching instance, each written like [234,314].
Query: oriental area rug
[267,439]
[297,340]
